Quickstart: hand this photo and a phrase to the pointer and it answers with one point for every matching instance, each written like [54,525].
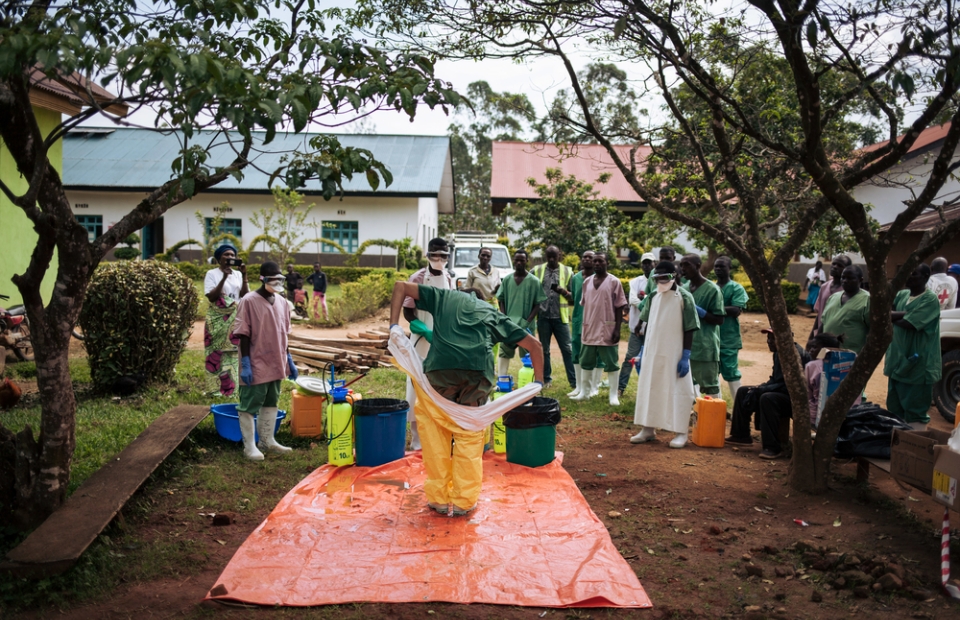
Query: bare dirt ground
[709,532]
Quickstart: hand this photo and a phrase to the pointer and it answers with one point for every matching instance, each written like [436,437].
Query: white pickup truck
[946,393]
[465,248]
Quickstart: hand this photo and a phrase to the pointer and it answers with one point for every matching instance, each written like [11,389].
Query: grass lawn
[205,474]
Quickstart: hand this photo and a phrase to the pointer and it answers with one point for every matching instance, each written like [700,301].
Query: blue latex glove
[701,312]
[246,371]
[524,324]
[683,366]
[294,373]
[419,327]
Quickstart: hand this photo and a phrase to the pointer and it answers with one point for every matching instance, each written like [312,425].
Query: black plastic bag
[538,412]
[867,432]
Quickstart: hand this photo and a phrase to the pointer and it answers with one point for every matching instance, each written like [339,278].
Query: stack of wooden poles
[358,352]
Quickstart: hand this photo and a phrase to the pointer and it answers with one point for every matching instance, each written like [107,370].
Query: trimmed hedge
[791,295]
[362,298]
[336,275]
[136,320]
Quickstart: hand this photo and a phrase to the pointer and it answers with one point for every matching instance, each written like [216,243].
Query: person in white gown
[664,387]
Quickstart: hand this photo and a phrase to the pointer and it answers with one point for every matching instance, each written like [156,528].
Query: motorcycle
[15,333]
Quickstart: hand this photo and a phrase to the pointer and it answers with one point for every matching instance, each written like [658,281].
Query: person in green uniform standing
[734,303]
[460,368]
[705,355]
[520,297]
[848,312]
[912,363]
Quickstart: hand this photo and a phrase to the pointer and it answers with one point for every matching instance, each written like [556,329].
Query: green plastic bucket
[532,432]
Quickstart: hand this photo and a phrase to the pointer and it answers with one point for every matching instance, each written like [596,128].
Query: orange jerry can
[711,422]
[307,415]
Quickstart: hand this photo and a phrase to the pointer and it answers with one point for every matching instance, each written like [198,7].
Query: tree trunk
[41,466]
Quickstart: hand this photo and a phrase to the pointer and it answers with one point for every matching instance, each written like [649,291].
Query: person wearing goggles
[664,385]
[421,321]
[262,325]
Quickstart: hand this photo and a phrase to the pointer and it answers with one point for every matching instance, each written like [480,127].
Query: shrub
[791,295]
[126,253]
[362,298]
[136,320]
[193,271]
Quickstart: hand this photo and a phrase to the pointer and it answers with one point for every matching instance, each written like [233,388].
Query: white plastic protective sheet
[468,418]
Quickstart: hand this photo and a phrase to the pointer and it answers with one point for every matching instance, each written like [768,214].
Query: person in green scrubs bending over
[913,357]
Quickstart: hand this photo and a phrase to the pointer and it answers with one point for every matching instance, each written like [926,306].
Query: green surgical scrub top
[851,319]
[706,341]
[464,331]
[690,319]
[518,301]
[924,314]
[733,295]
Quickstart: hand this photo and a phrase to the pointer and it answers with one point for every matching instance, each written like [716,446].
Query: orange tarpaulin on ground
[358,534]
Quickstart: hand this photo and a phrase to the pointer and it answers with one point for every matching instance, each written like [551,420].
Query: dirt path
[710,533]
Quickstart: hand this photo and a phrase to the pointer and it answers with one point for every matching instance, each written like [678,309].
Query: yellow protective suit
[452,476]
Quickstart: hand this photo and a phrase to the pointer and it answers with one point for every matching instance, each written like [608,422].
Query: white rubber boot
[587,389]
[679,441]
[578,373]
[503,366]
[266,424]
[414,437]
[248,432]
[734,386]
[647,433]
[612,378]
[595,376]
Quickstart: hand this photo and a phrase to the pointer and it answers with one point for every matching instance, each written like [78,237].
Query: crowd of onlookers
[685,335]
[684,332]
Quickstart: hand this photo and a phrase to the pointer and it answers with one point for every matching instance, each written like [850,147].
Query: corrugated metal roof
[515,162]
[927,137]
[928,220]
[128,158]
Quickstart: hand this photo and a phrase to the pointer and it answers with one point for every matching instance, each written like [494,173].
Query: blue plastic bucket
[227,421]
[381,425]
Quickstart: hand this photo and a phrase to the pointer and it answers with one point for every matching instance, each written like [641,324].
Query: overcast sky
[539,80]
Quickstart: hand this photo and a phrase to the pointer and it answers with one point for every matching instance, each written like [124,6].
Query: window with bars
[93,224]
[231,226]
[344,233]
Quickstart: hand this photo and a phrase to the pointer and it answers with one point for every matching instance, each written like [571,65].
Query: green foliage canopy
[568,215]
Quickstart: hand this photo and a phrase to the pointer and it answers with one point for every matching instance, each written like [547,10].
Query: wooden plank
[60,540]
[347,342]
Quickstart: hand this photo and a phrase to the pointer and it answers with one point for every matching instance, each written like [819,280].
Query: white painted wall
[428,222]
[377,217]
[888,192]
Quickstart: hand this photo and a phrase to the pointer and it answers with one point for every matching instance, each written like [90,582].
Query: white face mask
[437,264]
[274,286]
[664,287]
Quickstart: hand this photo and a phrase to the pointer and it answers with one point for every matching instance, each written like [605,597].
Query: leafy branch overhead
[758,142]
[221,80]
